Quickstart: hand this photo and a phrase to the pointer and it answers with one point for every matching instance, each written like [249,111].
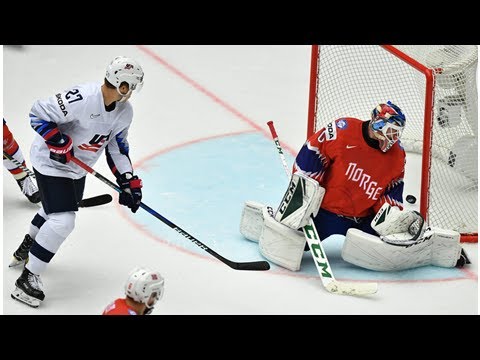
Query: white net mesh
[351,80]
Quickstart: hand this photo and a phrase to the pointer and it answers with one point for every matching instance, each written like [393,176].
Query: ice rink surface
[200,143]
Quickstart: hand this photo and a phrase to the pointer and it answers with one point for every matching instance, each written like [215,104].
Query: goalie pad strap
[301,200]
[280,244]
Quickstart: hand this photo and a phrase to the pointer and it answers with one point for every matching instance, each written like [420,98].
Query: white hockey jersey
[80,113]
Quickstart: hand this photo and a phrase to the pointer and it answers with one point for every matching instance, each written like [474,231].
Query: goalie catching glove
[398,227]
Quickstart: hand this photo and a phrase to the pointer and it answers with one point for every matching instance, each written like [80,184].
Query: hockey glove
[61,151]
[131,194]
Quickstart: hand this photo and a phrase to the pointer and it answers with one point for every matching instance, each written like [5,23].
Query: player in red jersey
[10,146]
[348,177]
[143,289]
[360,164]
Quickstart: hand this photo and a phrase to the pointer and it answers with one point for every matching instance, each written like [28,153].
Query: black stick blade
[96,200]
[254,266]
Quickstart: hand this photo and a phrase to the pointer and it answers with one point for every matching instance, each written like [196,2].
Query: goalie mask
[387,124]
[124,69]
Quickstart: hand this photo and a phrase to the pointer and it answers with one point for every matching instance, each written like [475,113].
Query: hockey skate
[462,260]
[29,289]
[20,256]
[29,189]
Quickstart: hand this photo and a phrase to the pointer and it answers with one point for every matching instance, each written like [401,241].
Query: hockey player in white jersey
[82,121]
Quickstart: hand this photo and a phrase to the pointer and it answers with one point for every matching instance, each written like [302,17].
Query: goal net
[435,86]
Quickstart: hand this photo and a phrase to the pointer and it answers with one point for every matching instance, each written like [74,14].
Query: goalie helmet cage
[435,86]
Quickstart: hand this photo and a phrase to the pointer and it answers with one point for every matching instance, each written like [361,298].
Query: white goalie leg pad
[370,252]
[302,199]
[398,227]
[251,222]
[436,247]
[280,244]
[446,247]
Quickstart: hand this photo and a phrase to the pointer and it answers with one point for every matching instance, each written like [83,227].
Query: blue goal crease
[204,194]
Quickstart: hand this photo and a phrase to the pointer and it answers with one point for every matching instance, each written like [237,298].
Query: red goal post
[435,86]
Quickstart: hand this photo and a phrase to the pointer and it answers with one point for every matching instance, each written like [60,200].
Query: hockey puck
[411,199]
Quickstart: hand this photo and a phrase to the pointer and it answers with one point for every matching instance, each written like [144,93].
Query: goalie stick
[254,265]
[319,256]
[88,202]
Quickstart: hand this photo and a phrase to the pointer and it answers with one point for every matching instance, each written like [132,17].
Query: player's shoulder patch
[328,133]
[331,131]
[342,124]
[61,103]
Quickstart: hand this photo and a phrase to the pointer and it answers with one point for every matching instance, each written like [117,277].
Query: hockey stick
[95,200]
[89,202]
[254,265]
[319,256]
[19,164]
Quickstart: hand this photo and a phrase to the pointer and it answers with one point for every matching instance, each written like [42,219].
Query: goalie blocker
[404,243]
[280,236]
